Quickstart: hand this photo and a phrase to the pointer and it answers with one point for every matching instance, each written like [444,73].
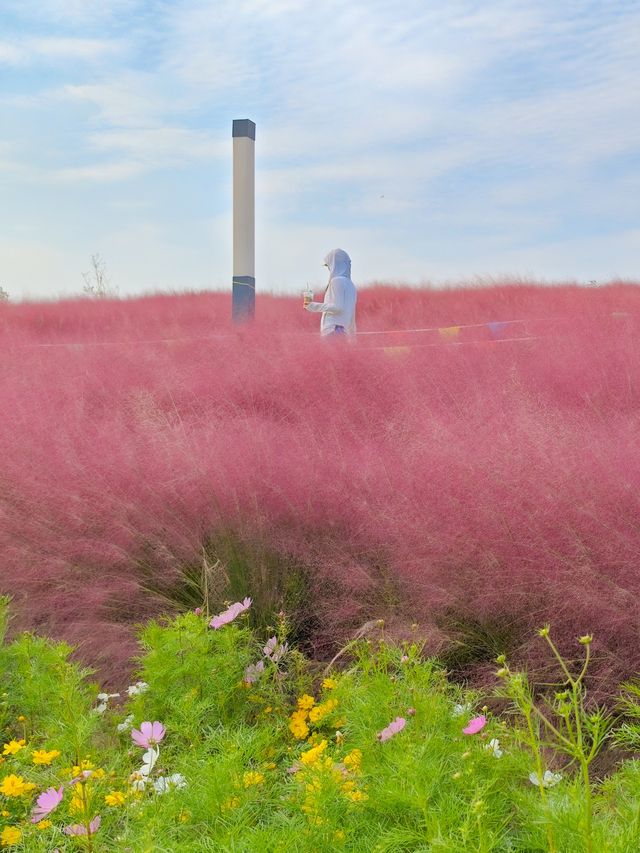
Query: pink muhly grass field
[490,485]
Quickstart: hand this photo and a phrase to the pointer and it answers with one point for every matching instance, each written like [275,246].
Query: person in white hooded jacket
[338,309]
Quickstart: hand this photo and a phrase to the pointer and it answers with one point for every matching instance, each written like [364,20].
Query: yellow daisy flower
[13,746]
[41,756]
[9,836]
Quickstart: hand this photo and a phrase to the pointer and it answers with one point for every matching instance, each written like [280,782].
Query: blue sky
[433,141]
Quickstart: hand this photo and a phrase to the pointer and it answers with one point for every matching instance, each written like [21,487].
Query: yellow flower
[10,835]
[44,824]
[270,766]
[13,746]
[115,798]
[298,725]
[15,786]
[305,702]
[184,817]
[4,813]
[329,684]
[353,760]
[41,756]
[76,805]
[231,803]
[267,710]
[355,795]
[77,769]
[338,835]
[22,718]
[299,730]
[313,754]
[99,773]
[320,711]
[251,778]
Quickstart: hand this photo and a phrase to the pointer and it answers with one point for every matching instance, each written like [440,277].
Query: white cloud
[97,172]
[69,12]
[127,99]
[433,139]
[161,146]
[49,49]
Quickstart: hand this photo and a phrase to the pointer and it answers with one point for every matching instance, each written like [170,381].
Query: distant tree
[4,296]
[96,281]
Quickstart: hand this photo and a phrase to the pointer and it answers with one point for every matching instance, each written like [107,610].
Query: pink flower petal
[157,732]
[475,725]
[392,729]
[46,803]
[81,829]
[148,735]
[230,613]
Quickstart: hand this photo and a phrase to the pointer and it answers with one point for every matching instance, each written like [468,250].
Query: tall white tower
[244,236]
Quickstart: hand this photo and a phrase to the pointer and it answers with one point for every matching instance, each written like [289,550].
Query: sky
[435,142]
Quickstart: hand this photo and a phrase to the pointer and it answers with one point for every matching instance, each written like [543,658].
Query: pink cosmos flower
[274,650]
[149,734]
[80,829]
[392,729]
[475,725]
[230,613]
[46,803]
[253,672]
[198,611]
[81,778]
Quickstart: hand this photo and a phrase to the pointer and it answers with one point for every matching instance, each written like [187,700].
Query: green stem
[86,816]
[552,728]
[534,746]
[560,660]
[584,764]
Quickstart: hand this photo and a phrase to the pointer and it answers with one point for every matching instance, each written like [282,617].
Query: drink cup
[307,296]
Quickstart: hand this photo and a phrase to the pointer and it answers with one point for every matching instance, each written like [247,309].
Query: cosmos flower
[475,725]
[392,729]
[46,803]
[149,734]
[163,784]
[80,829]
[549,779]
[230,613]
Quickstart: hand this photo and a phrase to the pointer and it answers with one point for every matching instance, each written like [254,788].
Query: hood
[339,263]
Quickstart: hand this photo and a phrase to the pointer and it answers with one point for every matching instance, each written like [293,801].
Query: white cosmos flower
[137,688]
[548,780]
[494,746]
[460,709]
[138,782]
[149,760]
[169,783]
[126,724]
[103,701]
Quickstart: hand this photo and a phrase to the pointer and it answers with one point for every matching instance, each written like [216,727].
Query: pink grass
[493,480]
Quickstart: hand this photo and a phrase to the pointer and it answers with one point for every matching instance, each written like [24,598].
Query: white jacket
[340,297]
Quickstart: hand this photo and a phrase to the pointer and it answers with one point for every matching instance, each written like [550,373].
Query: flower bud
[544,632]
[586,640]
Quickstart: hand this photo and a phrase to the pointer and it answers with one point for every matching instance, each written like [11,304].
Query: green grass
[251,785]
